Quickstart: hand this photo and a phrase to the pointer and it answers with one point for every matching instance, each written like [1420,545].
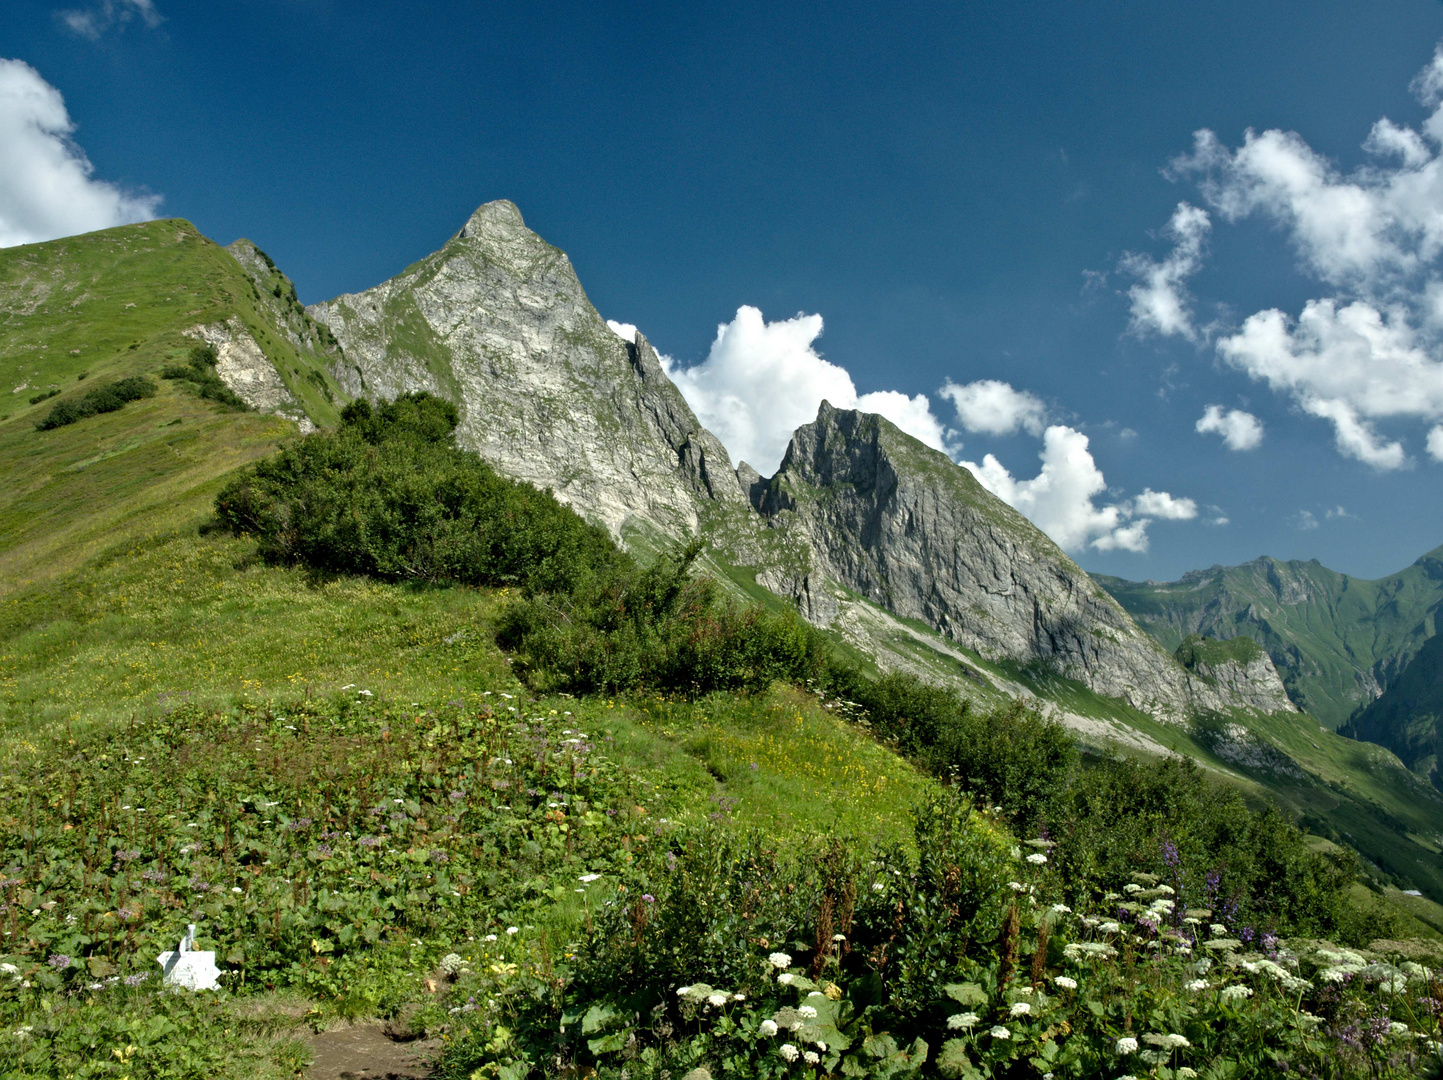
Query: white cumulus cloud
[1160,300]
[1435,443]
[1160,504]
[624,330]
[1371,352]
[762,380]
[1060,499]
[993,407]
[1240,430]
[46,184]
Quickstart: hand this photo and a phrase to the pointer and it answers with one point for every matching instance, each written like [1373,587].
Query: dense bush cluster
[107,397]
[389,494]
[1112,818]
[658,627]
[199,372]
[725,955]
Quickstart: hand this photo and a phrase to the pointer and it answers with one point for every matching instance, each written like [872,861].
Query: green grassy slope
[1336,640]
[90,309]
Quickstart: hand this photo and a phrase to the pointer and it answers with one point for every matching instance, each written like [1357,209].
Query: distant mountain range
[1361,656]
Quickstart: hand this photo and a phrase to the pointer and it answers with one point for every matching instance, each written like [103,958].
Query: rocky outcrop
[497,322]
[274,296]
[245,368]
[1233,674]
[903,525]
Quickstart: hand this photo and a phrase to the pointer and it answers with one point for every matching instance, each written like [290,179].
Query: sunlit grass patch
[784,764]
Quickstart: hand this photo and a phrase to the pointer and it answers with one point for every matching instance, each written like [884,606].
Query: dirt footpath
[365,1052]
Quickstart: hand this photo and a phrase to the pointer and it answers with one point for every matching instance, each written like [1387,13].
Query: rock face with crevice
[497,322]
[245,368]
[903,525]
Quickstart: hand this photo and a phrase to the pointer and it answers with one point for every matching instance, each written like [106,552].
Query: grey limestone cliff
[498,322]
[907,528]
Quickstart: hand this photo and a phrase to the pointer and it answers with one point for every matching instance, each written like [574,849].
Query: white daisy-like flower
[806,1012]
[780,960]
[963,1021]
[1196,985]
[768,1028]
[811,1057]
[1065,982]
[788,1051]
[785,978]
[1061,909]
[1126,1045]
[1236,992]
[1019,1008]
[1000,1032]
[716,1001]
[1037,858]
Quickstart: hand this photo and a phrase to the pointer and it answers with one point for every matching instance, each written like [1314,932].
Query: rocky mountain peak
[493,220]
[497,322]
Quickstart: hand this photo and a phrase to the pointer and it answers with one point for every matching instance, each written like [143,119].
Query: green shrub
[200,373]
[390,495]
[661,627]
[1107,819]
[107,397]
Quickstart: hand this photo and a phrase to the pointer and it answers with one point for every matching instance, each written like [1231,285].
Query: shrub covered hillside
[612,858]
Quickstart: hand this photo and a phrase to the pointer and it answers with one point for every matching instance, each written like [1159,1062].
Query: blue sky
[963,193]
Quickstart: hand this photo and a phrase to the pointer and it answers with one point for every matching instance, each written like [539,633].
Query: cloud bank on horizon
[1368,351]
[47,186]
[762,380]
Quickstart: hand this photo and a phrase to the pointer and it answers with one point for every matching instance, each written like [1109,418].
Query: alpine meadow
[424,651]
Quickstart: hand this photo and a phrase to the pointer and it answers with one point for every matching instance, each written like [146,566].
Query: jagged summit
[498,322]
[500,215]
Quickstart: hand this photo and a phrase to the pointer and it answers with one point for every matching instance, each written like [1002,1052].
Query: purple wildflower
[59,961]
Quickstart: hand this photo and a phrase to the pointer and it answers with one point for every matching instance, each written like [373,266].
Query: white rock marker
[188,967]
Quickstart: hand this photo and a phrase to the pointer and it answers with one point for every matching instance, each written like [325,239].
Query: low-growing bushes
[390,495]
[719,955]
[200,373]
[1112,818]
[658,627]
[107,397]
